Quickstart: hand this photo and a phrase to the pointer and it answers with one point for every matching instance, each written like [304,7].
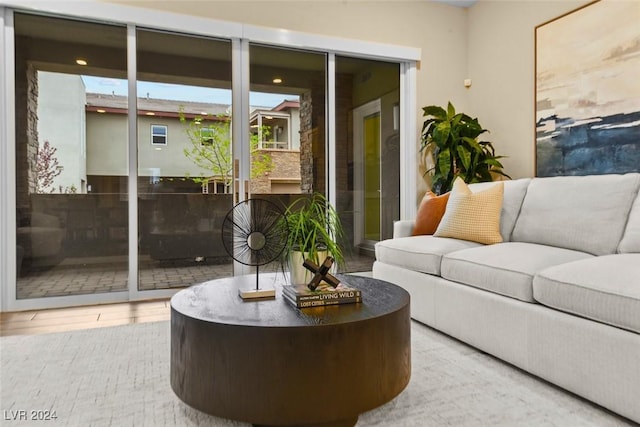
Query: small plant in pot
[452,139]
[314,231]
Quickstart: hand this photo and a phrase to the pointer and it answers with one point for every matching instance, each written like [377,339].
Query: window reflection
[185,165]
[71,230]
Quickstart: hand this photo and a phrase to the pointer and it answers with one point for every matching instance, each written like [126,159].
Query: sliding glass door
[367,152]
[287,113]
[185,165]
[125,143]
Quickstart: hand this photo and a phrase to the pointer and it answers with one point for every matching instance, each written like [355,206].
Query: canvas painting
[588,91]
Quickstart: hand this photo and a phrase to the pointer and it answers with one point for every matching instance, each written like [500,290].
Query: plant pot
[299,274]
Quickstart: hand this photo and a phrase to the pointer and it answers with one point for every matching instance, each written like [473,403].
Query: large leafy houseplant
[452,140]
[314,232]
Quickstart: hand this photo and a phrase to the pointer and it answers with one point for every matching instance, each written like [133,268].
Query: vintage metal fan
[255,233]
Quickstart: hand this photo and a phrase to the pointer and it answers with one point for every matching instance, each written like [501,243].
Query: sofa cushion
[430,213]
[419,253]
[514,192]
[40,242]
[606,289]
[473,216]
[585,213]
[631,239]
[39,219]
[506,268]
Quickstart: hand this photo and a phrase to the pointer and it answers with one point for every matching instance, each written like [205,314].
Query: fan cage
[255,232]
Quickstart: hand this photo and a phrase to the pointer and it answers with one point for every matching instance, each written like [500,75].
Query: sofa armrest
[403,228]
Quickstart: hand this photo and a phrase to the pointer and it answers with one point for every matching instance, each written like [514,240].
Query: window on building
[207,135]
[158,134]
[271,130]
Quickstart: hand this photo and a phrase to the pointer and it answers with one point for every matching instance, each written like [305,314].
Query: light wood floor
[86,317]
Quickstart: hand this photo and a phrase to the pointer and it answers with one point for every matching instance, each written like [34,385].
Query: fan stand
[257,293]
[256,242]
[254,233]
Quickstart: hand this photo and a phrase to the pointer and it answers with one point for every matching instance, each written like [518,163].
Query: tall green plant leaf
[451,111]
[435,111]
[441,133]
[444,162]
[493,162]
[473,144]
[456,120]
[465,157]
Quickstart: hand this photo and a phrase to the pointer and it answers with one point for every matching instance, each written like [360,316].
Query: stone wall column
[306,143]
[26,110]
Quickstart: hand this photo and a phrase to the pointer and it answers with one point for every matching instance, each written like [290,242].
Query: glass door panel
[287,124]
[71,191]
[185,166]
[367,153]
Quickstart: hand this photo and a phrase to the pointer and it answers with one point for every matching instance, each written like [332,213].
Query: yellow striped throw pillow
[473,216]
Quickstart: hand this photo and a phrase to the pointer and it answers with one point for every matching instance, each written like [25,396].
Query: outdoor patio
[78,276]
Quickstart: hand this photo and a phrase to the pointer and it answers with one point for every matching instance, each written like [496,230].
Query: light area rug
[119,376]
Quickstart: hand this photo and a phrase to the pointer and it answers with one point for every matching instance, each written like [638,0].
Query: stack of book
[301,296]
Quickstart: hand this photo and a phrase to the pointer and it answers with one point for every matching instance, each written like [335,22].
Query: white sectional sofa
[559,298]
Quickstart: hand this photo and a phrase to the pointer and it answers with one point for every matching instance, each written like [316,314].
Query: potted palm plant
[452,139]
[314,231]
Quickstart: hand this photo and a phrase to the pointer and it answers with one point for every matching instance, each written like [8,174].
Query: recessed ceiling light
[100,111]
[81,61]
[277,80]
[150,113]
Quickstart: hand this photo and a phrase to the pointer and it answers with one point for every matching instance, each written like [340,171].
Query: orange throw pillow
[430,213]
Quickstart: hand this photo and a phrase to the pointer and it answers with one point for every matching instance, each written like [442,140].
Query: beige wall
[61,116]
[107,144]
[170,160]
[107,147]
[501,65]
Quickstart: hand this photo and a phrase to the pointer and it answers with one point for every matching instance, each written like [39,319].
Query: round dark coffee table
[269,363]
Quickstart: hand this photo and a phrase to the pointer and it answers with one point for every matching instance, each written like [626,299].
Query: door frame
[238,33]
[359,114]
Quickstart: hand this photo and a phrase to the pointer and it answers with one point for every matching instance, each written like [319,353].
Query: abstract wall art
[588,91]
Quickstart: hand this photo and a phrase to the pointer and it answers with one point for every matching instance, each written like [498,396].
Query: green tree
[210,148]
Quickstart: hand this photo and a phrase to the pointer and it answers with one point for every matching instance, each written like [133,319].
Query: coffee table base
[322,366]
